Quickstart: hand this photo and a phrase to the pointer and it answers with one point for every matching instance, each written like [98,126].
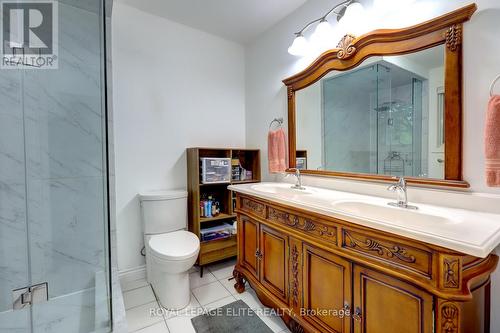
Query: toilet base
[173,290]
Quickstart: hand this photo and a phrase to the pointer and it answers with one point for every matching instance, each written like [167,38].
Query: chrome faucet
[298,185]
[401,190]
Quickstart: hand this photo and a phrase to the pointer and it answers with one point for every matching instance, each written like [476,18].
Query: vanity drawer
[304,224]
[253,207]
[377,248]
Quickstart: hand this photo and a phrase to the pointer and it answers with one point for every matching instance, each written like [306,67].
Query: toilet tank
[163,211]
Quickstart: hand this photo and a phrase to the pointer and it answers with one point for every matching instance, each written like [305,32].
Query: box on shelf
[236,169]
[224,230]
[301,163]
[215,170]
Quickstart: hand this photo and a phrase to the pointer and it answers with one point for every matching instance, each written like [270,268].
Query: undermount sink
[394,215]
[282,188]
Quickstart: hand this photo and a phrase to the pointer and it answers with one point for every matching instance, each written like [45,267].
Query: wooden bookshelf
[219,249]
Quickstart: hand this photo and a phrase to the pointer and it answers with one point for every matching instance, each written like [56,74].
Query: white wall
[174,87]
[308,123]
[267,63]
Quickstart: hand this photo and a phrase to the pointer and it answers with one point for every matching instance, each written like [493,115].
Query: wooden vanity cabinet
[264,254]
[315,268]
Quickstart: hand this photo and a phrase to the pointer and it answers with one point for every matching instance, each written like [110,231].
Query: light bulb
[299,46]
[354,20]
[323,29]
[322,38]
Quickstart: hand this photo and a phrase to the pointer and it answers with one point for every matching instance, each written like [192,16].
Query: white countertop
[466,231]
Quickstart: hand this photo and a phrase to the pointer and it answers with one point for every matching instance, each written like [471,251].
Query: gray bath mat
[231,318]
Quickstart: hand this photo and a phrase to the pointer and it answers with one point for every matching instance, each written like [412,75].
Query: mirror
[383,105]
[383,117]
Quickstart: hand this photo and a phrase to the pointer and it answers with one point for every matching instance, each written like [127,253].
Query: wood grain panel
[249,244]
[274,264]
[327,288]
[386,305]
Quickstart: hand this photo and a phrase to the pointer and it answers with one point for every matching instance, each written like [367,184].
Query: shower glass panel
[347,101]
[53,182]
[390,100]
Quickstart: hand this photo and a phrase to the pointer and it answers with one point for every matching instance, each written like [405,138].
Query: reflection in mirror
[384,117]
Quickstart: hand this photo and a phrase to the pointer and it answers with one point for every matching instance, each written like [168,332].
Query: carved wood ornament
[295,327]
[449,314]
[395,251]
[304,224]
[295,275]
[351,51]
[346,48]
[454,37]
[255,207]
[451,268]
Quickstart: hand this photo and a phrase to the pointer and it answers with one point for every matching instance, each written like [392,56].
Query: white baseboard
[132,274]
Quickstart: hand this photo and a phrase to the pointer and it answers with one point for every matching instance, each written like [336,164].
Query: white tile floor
[144,314]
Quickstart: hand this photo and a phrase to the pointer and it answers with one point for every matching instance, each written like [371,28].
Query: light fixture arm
[323,18]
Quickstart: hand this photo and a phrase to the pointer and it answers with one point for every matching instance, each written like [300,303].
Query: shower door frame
[104,15]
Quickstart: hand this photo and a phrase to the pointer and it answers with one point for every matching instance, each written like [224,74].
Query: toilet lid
[177,245]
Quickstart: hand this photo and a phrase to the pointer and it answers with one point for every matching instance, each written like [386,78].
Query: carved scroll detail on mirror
[347,50]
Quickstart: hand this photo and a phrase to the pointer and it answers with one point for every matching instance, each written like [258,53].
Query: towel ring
[493,85]
[276,120]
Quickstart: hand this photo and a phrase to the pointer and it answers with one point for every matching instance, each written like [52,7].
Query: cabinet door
[327,290]
[274,261]
[386,305]
[248,233]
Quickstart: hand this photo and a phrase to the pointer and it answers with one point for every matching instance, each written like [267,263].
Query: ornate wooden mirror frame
[352,51]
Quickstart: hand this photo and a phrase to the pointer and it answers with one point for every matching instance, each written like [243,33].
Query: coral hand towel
[276,141]
[492,142]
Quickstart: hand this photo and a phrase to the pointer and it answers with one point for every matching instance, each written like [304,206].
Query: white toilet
[170,250]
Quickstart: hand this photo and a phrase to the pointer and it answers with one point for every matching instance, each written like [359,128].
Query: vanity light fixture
[348,13]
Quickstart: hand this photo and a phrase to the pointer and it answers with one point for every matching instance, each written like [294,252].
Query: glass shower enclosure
[388,99]
[54,223]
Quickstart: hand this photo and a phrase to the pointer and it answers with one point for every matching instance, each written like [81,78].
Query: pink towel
[276,149]
[492,142]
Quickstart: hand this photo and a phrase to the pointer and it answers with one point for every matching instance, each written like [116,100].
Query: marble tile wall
[52,179]
[345,115]
[13,253]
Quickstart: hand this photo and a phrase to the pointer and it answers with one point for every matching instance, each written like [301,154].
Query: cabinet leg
[295,327]
[240,283]
[201,271]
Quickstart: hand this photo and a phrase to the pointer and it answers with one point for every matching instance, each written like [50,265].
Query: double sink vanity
[379,107]
[340,261]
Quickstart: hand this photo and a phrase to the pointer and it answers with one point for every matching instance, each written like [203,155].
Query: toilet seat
[177,245]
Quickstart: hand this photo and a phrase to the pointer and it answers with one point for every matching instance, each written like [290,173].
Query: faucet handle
[402,182]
